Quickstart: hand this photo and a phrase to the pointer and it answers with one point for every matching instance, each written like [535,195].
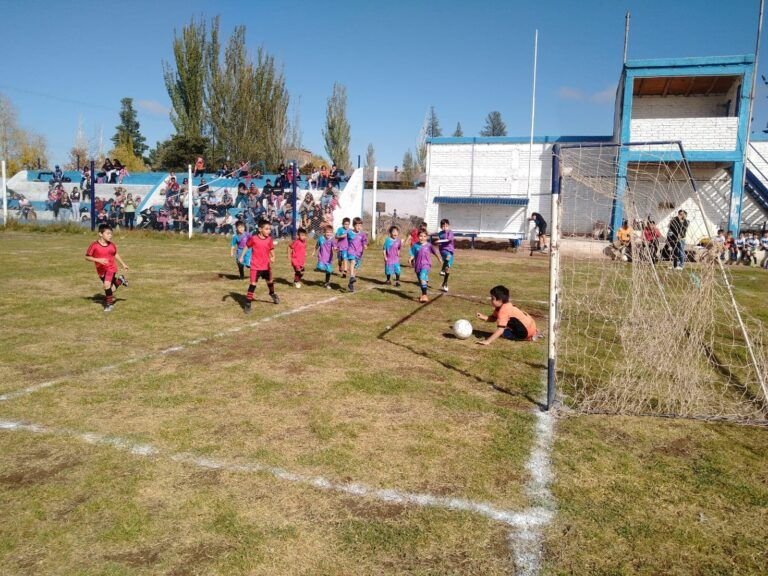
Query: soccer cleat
[123,280]
[388,282]
[397,284]
[442,272]
[444,288]
[297,284]
[327,285]
[247,308]
[275,298]
[108,308]
[343,274]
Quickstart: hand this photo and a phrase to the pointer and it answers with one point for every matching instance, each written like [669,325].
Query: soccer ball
[462,329]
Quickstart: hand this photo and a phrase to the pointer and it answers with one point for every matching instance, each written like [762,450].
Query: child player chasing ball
[421,260]
[392,247]
[445,239]
[297,254]
[511,322]
[103,253]
[262,255]
[358,241]
[324,250]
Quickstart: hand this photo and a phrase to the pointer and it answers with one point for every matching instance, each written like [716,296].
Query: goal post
[629,332]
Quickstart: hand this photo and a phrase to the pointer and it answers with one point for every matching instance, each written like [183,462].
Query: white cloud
[606,96]
[153,107]
[568,93]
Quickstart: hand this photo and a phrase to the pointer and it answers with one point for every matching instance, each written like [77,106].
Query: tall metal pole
[190,201]
[533,110]
[294,201]
[626,36]
[93,195]
[5,198]
[375,190]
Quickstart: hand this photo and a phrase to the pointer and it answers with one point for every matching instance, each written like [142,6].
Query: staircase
[756,186]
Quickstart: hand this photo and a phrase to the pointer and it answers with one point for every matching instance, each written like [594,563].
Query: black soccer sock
[241,269]
[327,277]
[445,279]
[397,277]
[249,294]
[271,286]
[423,289]
[389,276]
[109,297]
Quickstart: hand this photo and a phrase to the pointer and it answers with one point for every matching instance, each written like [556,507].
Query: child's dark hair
[345,221]
[301,230]
[103,227]
[357,220]
[264,222]
[239,224]
[444,221]
[500,293]
[423,226]
[394,227]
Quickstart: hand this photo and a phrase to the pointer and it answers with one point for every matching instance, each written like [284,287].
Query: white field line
[525,521]
[526,540]
[172,349]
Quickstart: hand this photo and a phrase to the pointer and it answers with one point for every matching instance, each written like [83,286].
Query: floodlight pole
[533,110]
[5,198]
[190,201]
[93,195]
[294,201]
[554,271]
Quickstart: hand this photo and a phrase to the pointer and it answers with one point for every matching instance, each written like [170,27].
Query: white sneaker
[297,284]
[678,267]
[444,288]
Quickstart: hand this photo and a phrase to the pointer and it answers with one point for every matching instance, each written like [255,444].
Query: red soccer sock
[249,294]
[109,297]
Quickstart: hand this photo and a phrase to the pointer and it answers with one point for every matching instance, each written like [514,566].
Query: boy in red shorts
[297,254]
[262,255]
[103,253]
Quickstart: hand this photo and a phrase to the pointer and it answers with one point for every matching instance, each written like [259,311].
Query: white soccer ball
[462,329]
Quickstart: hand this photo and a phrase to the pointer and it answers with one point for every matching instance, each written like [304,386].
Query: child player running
[262,255]
[342,243]
[392,247]
[511,322]
[421,259]
[103,253]
[445,240]
[237,247]
[358,241]
[324,250]
[297,253]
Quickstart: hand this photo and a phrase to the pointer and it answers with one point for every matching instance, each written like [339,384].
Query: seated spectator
[323,182]
[242,198]
[227,225]
[225,171]
[199,166]
[102,217]
[307,207]
[243,170]
[108,169]
[209,223]
[314,178]
[98,204]
[226,202]
[58,175]
[623,240]
[203,187]
[162,219]
[118,169]
[280,182]
[336,176]
[268,188]
[122,174]
[85,178]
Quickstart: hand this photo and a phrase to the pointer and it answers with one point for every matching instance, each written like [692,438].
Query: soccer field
[334,433]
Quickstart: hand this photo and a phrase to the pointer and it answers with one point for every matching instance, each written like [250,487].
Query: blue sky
[70,61]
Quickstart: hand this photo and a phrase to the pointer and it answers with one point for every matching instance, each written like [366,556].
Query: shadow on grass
[242,300]
[465,373]
[99,299]
[396,292]
[223,276]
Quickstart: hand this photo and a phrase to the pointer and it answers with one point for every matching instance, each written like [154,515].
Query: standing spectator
[651,237]
[241,199]
[108,169]
[678,227]
[199,167]
[75,197]
[227,224]
[130,211]
[541,226]
[226,203]
[335,177]
[323,182]
[65,204]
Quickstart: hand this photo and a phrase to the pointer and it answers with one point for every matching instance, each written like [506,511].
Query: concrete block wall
[646,107]
[487,170]
[695,133]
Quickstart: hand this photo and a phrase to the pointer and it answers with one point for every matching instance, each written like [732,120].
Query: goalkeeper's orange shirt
[506,312]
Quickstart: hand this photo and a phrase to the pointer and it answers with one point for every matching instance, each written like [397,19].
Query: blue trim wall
[740,65]
[516,139]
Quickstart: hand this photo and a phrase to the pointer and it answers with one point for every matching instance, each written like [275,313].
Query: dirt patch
[36,475]
[678,448]
[374,510]
[136,558]
[196,555]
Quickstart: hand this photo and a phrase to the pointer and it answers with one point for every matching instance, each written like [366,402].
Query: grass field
[333,433]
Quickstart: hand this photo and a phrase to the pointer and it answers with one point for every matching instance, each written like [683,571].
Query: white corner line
[522,520]
[172,349]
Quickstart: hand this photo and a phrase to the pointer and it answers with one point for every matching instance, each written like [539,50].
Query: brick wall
[695,133]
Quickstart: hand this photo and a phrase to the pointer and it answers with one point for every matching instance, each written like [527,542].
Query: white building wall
[645,107]
[695,133]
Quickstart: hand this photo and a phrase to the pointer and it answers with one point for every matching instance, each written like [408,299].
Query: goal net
[635,333]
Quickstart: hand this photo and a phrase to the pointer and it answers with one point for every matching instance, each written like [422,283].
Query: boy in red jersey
[103,253]
[262,255]
[297,253]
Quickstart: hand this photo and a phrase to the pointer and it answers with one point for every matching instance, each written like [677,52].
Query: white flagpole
[375,189]
[533,110]
[5,198]
[190,200]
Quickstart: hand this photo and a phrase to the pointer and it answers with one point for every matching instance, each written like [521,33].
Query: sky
[67,64]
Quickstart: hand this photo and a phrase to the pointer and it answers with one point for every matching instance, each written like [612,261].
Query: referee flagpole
[190,200]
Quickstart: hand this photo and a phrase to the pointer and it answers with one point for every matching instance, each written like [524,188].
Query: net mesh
[636,335]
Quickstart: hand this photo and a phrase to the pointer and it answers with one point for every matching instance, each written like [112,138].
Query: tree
[22,150]
[458,133]
[433,124]
[336,132]
[494,125]
[175,154]
[186,83]
[370,157]
[408,175]
[129,130]
[246,102]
